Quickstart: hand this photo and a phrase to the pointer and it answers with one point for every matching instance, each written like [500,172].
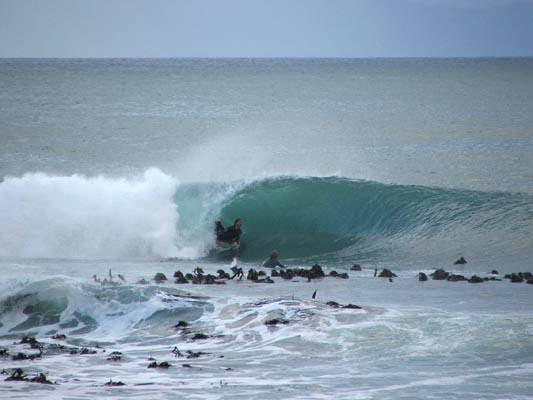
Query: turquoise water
[401,164]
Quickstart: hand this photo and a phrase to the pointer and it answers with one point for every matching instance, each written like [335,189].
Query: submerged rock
[41,378]
[515,278]
[163,364]
[387,273]
[422,277]
[59,337]
[276,321]
[181,325]
[112,383]
[439,275]
[159,277]
[460,261]
[223,274]
[17,375]
[200,336]
[334,304]
[475,279]
[252,275]
[456,278]
[355,267]
[335,274]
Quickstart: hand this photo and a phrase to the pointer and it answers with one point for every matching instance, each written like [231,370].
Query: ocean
[122,166]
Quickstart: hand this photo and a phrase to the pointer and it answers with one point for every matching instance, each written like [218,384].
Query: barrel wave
[305,218]
[342,218]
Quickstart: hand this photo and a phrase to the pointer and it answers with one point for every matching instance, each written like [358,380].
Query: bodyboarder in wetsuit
[230,235]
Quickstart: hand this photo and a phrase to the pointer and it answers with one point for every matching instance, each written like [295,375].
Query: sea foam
[88,217]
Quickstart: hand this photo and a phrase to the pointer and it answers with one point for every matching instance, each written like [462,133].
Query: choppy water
[403,164]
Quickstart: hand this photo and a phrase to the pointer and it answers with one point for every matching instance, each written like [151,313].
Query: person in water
[273,261]
[230,235]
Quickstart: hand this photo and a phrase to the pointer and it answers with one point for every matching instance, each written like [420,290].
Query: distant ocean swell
[153,215]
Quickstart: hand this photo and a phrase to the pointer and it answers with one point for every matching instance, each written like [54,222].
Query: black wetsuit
[231,234]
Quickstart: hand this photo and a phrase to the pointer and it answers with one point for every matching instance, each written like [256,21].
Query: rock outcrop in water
[160,277]
[387,273]
[334,304]
[422,277]
[460,261]
[355,267]
[439,275]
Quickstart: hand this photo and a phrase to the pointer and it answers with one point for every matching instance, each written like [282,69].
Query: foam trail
[88,217]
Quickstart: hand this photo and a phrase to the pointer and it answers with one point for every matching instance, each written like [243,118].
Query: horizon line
[265,58]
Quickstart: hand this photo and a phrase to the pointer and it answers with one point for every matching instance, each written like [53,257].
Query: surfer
[273,261]
[231,235]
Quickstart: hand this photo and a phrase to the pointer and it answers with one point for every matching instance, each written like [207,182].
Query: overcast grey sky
[265,28]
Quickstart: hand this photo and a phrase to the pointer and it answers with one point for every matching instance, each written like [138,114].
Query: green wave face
[305,217]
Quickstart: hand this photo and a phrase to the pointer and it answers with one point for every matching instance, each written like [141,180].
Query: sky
[265,28]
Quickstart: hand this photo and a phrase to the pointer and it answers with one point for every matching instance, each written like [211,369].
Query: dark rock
[194,354]
[112,383]
[223,274]
[316,272]
[276,321]
[439,275]
[351,306]
[526,275]
[29,340]
[142,281]
[180,278]
[355,267]
[334,304]
[41,378]
[266,280]
[17,375]
[59,337]
[189,276]
[386,273]
[85,351]
[3,352]
[115,356]
[252,275]
[261,273]
[23,356]
[274,273]
[181,325]
[460,261]
[160,277]
[456,278]
[422,277]
[494,272]
[475,279]
[163,364]
[186,365]
[530,281]
[515,278]
[286,274]
[200,336]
